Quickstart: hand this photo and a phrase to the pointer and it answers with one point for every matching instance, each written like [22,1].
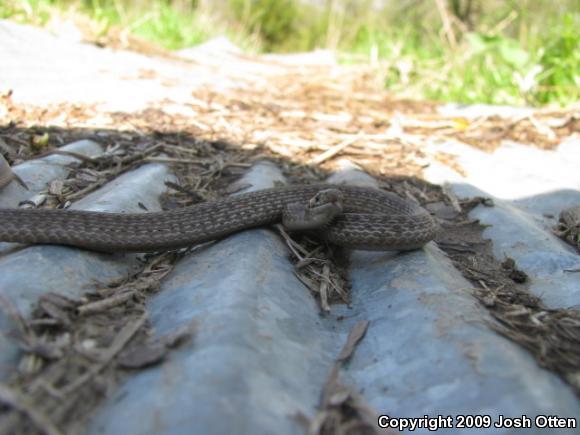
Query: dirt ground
[307,122]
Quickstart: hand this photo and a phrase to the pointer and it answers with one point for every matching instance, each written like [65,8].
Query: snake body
[371,219]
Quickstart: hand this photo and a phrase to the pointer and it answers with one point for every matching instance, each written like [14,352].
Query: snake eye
[315,200]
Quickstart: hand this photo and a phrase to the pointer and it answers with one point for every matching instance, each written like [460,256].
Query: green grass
[160,22]
[170,27]
[486,69]
[516,52]
[32,11]
[559,55]
[485,66]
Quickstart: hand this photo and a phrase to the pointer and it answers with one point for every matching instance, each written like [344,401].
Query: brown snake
[371,219]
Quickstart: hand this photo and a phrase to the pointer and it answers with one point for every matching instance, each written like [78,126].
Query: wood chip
[120,342]
[15,400]
[7,175]
[356,335]
[105,304]
[334,150]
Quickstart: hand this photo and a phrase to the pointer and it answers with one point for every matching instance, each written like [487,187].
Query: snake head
[333,197]
[318,213]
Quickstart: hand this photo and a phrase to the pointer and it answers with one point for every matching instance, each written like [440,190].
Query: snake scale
[371,219]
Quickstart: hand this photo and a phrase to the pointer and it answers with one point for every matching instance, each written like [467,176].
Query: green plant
[176,29]
[560,60]
[274,20]
[34,11]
